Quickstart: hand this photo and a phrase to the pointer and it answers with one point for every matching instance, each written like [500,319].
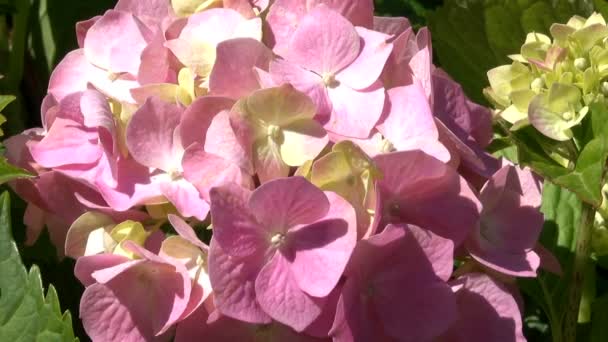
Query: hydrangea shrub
[287,170]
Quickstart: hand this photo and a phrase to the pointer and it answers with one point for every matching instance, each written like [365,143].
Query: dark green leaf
[599,327]
[474,36]
[5,100]
[10,172]
[562,210]
[25,313]
[586,179]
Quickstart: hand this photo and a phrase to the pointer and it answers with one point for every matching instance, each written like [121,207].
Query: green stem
[556,328]
[581,258]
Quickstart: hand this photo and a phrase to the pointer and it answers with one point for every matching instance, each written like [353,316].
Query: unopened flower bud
[537,84]
[605,88]
[581,63]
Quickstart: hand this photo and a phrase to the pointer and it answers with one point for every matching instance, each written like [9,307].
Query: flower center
[275,132]
[330,80]
[277,239]
[387,146]
[175,175]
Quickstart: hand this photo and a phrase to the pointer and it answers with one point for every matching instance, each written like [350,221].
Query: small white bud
[537,84]
[581,63]
[605,88]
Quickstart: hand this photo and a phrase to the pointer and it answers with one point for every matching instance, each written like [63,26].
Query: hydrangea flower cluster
[243,171]
[555,80]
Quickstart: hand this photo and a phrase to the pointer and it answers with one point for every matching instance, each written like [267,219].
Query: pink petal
[87,265]
[280,296]
[199,116]
[150,135]
[234,226]
[358,12]
[156,63]
[322,249]
[303,80]
[233,281]
[67,142]
[70,75]
[287,202]
[151,12]
[458,113]
[129,186]
[439,251]
[353,317]
[220,24]
[409,124]
[488,312]
[205,170]
[548,261]
[115,42]
[283,19]
[106,318]
[510,223]
[366,69]
[186,198]
[154,293]
[82,27]
[221,140]
[403,297]
[421,63]
[393,26]
[77,236]
[233,73]
[184,230]
[355,113]
[421,190]
[324,42]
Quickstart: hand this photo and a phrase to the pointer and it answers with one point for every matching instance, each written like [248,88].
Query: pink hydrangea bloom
[279,251]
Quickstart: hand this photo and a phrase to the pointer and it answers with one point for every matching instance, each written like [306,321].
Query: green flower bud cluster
[554,80]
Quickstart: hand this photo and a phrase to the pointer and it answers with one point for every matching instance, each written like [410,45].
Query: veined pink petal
[409,124]
[488,312]
[280,296]
[67,142]
[366,69]
[284,17]
[233,282]
[324,42]
[322,249]
[82,27]
[221,140]
[233,73]
[284,203]
[151,135]
[355,112]
[303,80]
[184,230]
[115,42]
[205,170]
[393,26]
[415,185]
[199,116]
[235,228]
[186,198]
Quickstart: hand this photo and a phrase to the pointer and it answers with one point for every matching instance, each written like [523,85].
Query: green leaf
[10,172]
[562,210]
[25,313]
[586,179]
[5,100]
[474,36]
[599,328]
